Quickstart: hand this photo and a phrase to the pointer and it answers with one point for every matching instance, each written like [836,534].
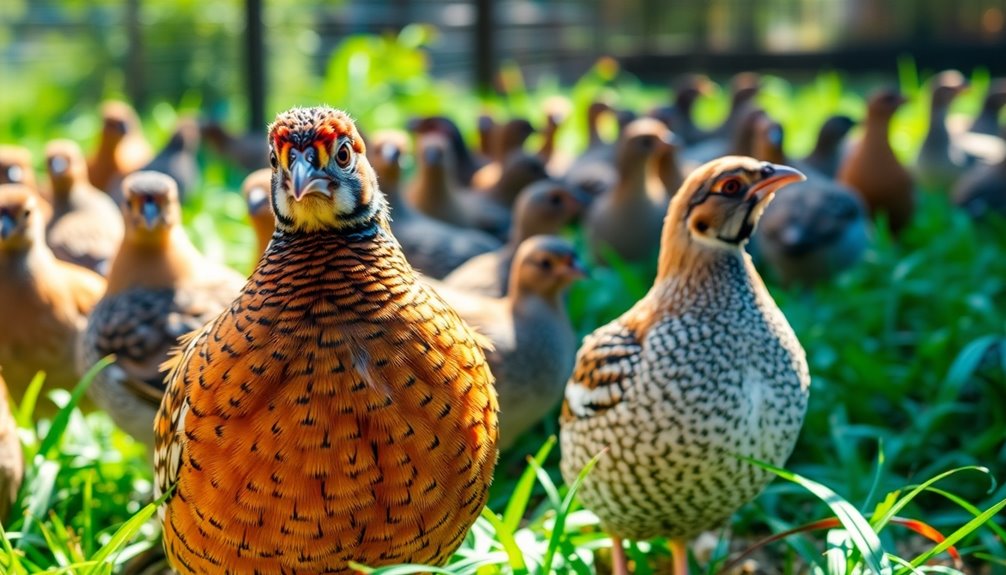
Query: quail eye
[273,161]
[731,187]
[555,200]
[344,155]
[546,265]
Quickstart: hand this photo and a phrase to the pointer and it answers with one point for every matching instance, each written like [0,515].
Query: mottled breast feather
[338,411]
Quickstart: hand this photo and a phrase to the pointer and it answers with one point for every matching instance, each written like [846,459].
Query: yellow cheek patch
[322,154]
[284,155]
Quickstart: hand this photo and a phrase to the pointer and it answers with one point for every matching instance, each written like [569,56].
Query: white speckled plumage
[703,369]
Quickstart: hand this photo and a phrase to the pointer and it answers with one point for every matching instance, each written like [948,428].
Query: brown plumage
[557,110]
[872,169]
[533,343]
[11,458]
[704,368]
[122,147]
[627,218]
[433,247]
[744,88]
[339,410]
[44,302]
[159,289]
[436,193]
[256,190]
[86,226]
[543,208]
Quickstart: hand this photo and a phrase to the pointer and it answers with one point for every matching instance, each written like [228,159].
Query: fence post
[485,56]
[255,65]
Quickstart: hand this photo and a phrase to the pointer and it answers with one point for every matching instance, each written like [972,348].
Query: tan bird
[627,218]
[11,458]
[159,289]
[703,369]
[533,340]
[86,226]
[122,147]
[44,302]
[255,190]
[872,169]
[543,208]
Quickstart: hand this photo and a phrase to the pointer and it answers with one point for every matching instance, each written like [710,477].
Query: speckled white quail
[702,369]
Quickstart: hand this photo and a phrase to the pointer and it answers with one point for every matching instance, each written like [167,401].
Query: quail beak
[258,199]
[775,177]
[306,178]
[7,226]
[151,213]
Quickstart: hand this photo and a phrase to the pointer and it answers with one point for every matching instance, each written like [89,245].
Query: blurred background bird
[533,343]
[122,148]
[256,191]
[872,169]
[86,227]
[702,370]
[44,302]
[159,288]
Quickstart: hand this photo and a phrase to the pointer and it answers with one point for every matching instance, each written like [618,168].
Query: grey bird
[532,337]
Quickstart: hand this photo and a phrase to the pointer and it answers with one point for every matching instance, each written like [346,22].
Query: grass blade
[956,536]
[521,493]
[125,533]
[860,532]
[563,511]
[62,419]
[902,502]
[506,538]
[26,408]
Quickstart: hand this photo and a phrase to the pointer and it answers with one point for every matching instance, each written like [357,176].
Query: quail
[626,218]
[159,289]
[44,302]
[338,410]
[872,169]
[940,162]
[256,191]
[826,155]
[122,148]
[533,343]
[86,227]
[703,369]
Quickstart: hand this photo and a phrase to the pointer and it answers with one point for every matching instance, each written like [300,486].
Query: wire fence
[158,50]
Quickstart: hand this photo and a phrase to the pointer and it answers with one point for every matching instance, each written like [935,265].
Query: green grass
[906,426]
